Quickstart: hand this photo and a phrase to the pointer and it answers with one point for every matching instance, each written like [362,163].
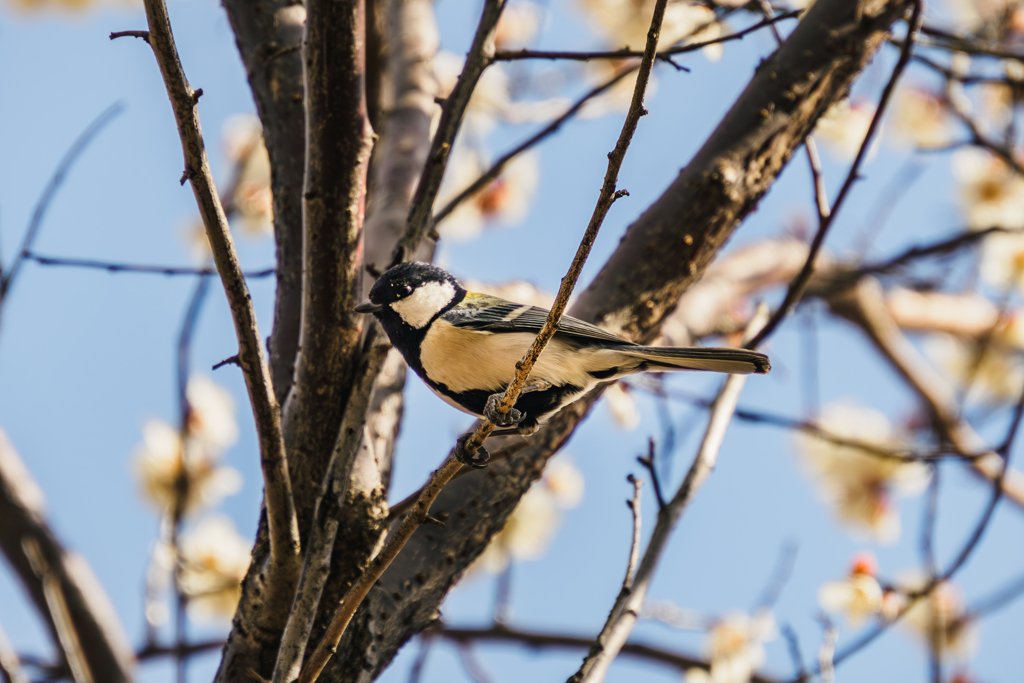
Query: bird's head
[414,292]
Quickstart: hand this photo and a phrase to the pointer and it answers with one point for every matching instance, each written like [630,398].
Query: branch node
[131,34]
[196,94]
[233,360]
[433,520]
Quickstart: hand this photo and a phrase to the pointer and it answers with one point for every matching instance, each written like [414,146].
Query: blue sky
[87,357]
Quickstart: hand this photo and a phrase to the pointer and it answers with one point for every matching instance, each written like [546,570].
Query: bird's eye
[404,291]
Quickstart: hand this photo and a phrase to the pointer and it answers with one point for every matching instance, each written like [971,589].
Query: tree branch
[35,223]
[284,543]
[662,254]
[624,614]
[269,34]
[663,55]
[540,640]
[864,306]
[338,145]
[134,267]
[49,572]
[480,56]
[826,217]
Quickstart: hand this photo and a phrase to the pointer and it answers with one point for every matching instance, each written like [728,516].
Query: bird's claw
[498,418]
[477,460]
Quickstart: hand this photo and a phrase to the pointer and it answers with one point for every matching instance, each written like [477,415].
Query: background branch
[91,618]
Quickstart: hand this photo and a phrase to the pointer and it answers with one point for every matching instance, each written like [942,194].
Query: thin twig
[799,283]
[931,511]
[46,198]
[496,168]
[779,577]
[826,666]
[793,645]
[481,54]
[634,548]
[284,538]
[663,55]
[648,463]
[10,665]
[57,603]
[130,34]
[813,429]
[540,640]
[622,618]
[111,267]
[968,548]
[183,481]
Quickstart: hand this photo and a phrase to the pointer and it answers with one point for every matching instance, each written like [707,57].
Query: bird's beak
[367,307]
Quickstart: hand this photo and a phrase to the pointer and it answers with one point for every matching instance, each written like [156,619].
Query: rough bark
[661,255]
[269,34]
[338,145]
[101,640]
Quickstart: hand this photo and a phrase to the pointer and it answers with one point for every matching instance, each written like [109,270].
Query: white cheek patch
[422,305]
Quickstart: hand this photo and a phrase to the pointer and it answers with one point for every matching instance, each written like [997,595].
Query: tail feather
[732,361]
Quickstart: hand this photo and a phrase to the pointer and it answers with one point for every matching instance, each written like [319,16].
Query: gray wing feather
[492,314]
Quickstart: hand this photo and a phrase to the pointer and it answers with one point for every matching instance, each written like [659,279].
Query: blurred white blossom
[843,127]
[214,559]
[858,596]
[991,193]
[992,373]
[76,6]
[243,145]
[625,23]
[622,406]
[735,648]
[505,200]
[167,459]
[518,25]
[531,526]
[940,620]
[921,118]
[860,486]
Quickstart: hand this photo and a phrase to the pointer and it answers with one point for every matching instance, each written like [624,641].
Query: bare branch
[338,145]
[284,541]
[479,57]
[541,640]
[864,306]
[634,292]
[634,546]
[111,267]
[496,168]
[472,442]
[799,284]
[269,35]
[56,180]
[663,55]
[10,665]
[621,621]
[61,585]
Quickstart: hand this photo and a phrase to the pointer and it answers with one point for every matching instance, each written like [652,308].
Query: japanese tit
[465,346]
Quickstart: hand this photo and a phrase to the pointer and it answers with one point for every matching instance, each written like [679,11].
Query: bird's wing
[492,314]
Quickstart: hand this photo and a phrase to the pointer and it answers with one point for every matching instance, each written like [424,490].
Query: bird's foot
[498,418]
[525,428]
[478,459]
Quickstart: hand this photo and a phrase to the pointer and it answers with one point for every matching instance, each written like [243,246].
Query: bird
[464,345]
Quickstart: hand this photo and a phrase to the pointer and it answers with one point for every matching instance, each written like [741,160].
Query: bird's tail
[732,361]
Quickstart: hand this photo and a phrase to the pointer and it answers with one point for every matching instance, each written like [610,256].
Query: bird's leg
[477,460]
[539,385]
[498,418]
